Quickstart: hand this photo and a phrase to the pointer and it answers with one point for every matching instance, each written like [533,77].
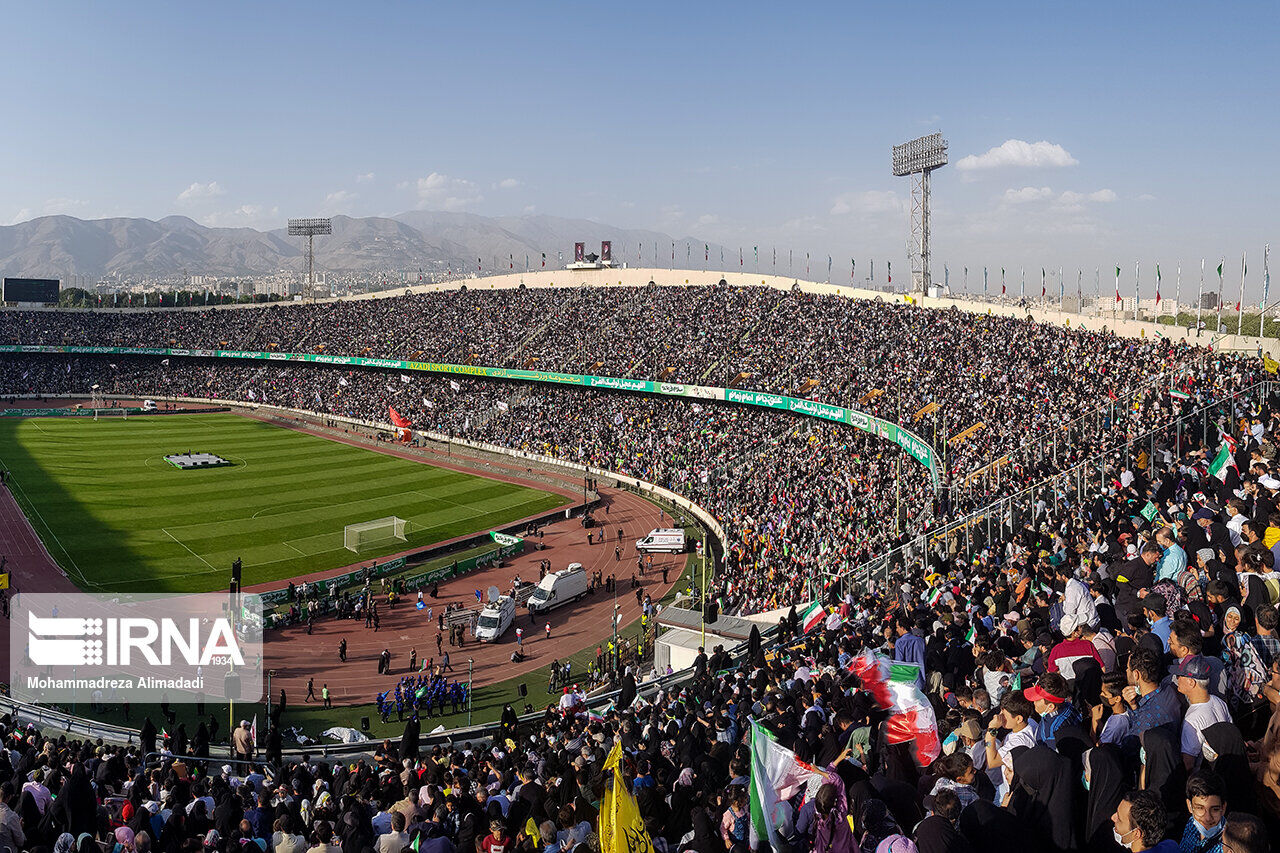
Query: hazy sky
[1084,134]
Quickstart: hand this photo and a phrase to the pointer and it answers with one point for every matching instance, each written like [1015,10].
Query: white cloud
[339,201]
[442,192]
[198,191]
[508,184]
[1146,197]
[530,208]
[1076,201]
[708,219]
[1026,194]
[21,216]
[1018,154]
[245,216]
[869,202]
[365,178]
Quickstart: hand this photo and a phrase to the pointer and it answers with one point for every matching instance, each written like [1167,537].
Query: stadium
[394,459]
[811,490]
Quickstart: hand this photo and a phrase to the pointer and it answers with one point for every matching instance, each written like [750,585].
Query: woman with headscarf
[704,835]
[1245,670]
[66,843]
[180,740]
[627,694]
[200,743]
[683,796]
[875,823]
[147,736]
[509,721]
[986,826]
[31,817]
[755,645]
[1105,782]
[1044,796]
[76,808]
[1162,768]
[124,838]
[85,843]
[409,740]
[1225,751]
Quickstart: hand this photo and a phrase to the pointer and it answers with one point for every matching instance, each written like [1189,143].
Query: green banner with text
[914,445]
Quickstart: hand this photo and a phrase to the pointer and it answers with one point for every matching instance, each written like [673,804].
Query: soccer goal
[373,534]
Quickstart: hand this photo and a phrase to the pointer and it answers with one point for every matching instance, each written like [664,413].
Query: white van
[495,619]
[148,405]
[559,588]
[662,541]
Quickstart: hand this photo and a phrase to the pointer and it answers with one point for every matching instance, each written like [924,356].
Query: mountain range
[61,246]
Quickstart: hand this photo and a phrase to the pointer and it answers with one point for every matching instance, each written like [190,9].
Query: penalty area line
[189,551]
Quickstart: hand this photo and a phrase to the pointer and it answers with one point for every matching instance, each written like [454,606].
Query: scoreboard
[31,289]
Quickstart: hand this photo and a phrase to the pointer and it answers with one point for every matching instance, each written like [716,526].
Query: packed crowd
[1102,669]
[1019,378]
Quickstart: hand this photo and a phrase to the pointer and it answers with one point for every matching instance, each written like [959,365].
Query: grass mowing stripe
[102,496]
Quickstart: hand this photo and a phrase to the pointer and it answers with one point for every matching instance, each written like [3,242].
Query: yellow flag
[1270,364]
[621,827]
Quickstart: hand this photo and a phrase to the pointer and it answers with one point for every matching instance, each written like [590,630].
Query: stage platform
[187,461]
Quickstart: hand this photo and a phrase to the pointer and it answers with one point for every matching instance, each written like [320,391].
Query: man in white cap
[242,742]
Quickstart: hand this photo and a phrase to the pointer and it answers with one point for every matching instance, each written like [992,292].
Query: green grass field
[117,516]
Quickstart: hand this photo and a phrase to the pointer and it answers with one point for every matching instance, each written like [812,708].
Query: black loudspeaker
[235,570]
[364,724]
[712,612]
[523,689]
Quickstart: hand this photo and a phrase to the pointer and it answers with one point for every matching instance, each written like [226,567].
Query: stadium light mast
[309,228]
[918,158]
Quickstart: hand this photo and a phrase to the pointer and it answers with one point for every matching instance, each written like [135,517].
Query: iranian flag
[895,688]
[1223,461]
[813,617]
[1179,395]
[777,775]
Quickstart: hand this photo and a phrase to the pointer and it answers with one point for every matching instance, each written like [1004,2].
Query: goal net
[373,534]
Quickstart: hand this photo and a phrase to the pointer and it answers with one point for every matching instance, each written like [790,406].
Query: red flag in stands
[399,420]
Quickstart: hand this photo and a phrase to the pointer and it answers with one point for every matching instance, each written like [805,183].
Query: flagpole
[1266,290]
[1177,298]
[1137,287]
[1158,294]
[1244,268]
[1117,302]
[1199,297]
[1221,264]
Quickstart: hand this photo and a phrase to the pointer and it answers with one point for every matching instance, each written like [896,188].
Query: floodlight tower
[918,158]
[309,228]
